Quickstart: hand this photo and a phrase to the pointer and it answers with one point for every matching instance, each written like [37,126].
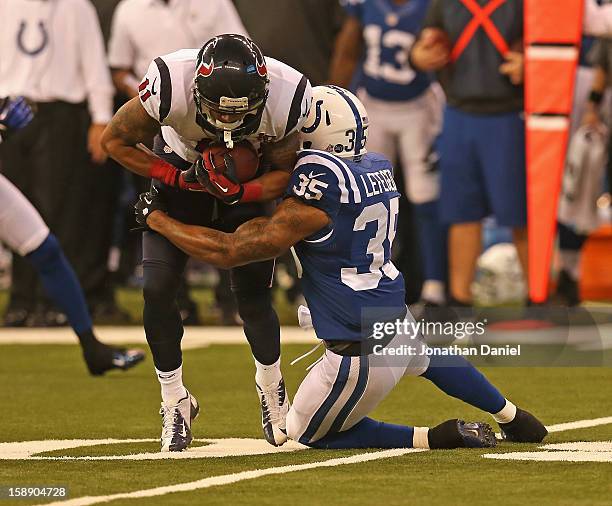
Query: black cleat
[525,428]
[102,358]
[459,434]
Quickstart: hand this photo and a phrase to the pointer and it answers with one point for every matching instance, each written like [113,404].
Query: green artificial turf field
[47,395]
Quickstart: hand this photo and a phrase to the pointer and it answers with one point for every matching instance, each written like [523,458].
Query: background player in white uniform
[178,24]
[340,212]
[225,92]
[23,230]
[405,112]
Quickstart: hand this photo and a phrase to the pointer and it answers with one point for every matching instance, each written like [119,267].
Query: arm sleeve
[353,8]
[95,70]
[315,185]
[597,19]
[121,51]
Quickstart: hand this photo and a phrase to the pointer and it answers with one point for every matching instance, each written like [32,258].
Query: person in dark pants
[55,161]
[226,93]
[476,44]
[132,45]
[593,114]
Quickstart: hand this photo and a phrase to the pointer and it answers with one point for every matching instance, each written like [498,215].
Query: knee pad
[161,284]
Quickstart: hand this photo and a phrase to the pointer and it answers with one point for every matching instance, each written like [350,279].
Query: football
[243,154]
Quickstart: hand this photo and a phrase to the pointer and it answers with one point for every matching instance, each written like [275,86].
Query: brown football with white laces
[243,154]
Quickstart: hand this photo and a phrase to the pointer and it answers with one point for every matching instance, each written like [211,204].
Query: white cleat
[274,408]
[176,423]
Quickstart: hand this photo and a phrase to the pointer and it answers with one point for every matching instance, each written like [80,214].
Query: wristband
[596,97]
[251,192]
[165,172]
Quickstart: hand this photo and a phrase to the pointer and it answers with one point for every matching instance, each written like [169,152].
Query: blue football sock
[432,235]
[61,284]
[455,376]
[367,433]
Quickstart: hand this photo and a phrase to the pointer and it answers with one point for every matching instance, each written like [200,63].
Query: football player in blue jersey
[405,110]
[340,212]
[25,232]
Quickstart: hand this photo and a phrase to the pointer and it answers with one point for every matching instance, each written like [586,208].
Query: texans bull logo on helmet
[206,69]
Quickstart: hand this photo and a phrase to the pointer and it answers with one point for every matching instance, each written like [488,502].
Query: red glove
[171,176]
[224,186]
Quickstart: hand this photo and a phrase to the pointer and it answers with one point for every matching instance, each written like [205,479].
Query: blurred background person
[300,33]
[585,167]
[405,111]
[133,44]
[482,145]
[145,29]
[52,52]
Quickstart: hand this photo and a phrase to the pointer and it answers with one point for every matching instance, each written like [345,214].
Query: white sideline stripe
[578,424]
[195,337]
[227,479]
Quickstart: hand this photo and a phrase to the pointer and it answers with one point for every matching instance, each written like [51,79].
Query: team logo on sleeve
[309,187]
[144,93]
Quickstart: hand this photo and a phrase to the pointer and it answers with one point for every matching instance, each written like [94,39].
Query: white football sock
[267,374]
[172,388]
[420,437]
[507,413]
[433,291]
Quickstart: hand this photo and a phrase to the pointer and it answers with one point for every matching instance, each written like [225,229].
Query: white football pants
[339,392]
[405,133]
[21,227]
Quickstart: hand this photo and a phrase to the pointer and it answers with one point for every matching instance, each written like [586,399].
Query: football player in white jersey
[25,232]
[225,92]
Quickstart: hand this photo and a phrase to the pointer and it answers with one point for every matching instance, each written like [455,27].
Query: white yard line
[195,337]
[226,479]
[257,473]
[579,424]
[585,337]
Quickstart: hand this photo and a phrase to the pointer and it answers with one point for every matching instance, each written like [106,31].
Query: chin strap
[227,138]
